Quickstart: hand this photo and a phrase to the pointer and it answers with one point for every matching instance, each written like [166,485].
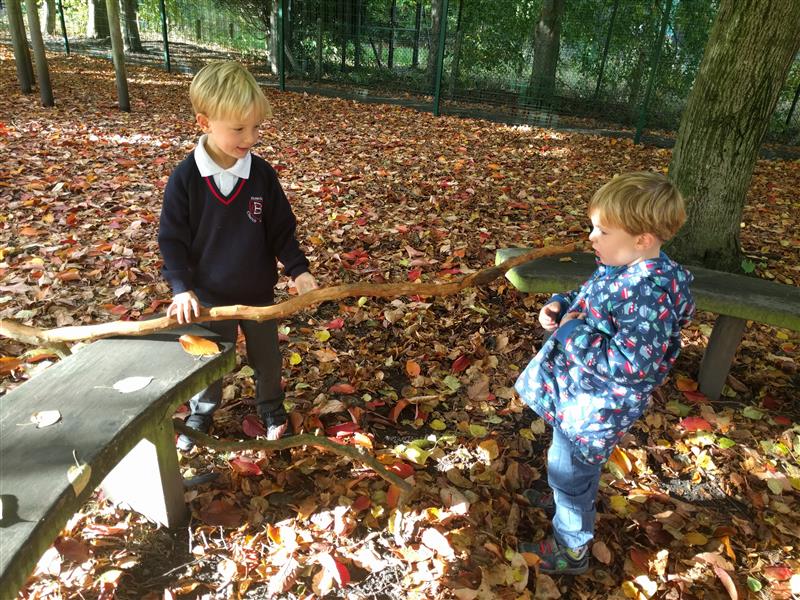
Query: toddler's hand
[305,282]
[549,314]
[572,315]
[183,306]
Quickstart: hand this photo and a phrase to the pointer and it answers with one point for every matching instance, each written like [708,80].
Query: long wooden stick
[35,336]
[294,441]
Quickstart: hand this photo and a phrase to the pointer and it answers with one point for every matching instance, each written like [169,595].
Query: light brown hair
[640,202]
[226,90]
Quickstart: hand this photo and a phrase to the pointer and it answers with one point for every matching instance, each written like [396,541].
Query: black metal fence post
[63,26]
[165,35]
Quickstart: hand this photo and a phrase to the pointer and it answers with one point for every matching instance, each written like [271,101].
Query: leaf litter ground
[701,500]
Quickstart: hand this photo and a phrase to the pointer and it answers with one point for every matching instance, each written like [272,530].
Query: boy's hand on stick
[184,306]
[549,314]
[305,282]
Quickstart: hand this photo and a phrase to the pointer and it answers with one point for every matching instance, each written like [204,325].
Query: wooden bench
[735,298]
[126,439]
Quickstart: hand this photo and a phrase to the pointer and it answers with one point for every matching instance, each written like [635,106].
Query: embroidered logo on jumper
[255,209]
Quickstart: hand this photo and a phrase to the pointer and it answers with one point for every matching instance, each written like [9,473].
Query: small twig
[294,441]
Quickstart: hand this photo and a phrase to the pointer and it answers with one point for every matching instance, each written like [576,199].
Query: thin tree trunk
[133,41]
[392,25]
[744,66]
[605,49]
[457,49]
[417,24]
[433,41]
[42,72]
[118,54]
[546,48]
[273,37]
[49,7]
[19,41]
[97,22]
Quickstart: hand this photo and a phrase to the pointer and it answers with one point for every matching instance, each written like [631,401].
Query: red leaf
[696,424]
[252,426]
[245,466]
[361,503]
[414,274]
[401,469]
[770,403]
[221,513]
[341,388]
[779,573]
[72,549]
[397,409]
[782,420]
[337,323]
[695,397]
[412,368]
[342,429]
[461,363]
[392,496]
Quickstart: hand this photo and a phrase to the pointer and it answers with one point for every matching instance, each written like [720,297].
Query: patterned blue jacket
[593,378]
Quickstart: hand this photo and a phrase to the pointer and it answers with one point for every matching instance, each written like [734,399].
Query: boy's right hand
[549,314]
[183,306]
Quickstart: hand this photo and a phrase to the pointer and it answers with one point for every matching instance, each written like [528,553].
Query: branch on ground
[295,441]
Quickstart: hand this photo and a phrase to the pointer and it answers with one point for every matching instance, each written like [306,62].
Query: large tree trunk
[42,72]
[118,54]
[22,56]
[433,41]
[132,39]
[746,61]
[97,22]
[49,7]
[546,47]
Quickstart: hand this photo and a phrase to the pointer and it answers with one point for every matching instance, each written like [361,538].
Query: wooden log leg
[716,363]
[148,479]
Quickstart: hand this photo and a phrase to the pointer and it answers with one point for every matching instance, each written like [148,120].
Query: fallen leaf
[78,476]
[45,418]
[253,427]
[412,368]
[198,346]
[245,466]
[221,513]
[132,384]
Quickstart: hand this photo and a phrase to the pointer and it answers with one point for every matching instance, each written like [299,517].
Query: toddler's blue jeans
[574,483]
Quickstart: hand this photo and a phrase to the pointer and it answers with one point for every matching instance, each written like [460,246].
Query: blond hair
[640,202]
[225,89]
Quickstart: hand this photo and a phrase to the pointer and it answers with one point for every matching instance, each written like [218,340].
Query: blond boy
[224,224]
[615,340]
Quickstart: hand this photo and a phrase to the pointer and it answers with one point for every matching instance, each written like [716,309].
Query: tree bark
[433,41]
[273,37]
[745,64]
[133,41]
[35,336]
[42,72]
[22,57]
[50,16]
[547,45]
[97,21]
[118,54]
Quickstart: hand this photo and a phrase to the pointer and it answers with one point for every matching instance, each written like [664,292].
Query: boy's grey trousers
[263,356]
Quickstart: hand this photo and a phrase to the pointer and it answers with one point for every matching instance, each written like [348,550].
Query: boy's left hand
[305,282]
[572,315]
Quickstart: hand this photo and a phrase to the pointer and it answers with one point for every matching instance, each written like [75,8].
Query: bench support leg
[148,479]
[716,363]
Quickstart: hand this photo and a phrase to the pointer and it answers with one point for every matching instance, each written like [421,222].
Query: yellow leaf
[695,538]
[198,346]
[323,335]
[619,504]
[490,449]
[477,431]
[78,476]
[685,384]
[295,359]
[437,425]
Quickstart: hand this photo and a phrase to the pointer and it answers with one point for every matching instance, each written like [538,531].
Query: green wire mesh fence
[578,63]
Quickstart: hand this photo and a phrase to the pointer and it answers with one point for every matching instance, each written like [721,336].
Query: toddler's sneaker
[201,423]
[274,418]
[542,500]
[557,559]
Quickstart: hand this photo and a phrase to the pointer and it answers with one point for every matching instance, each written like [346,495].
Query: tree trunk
[273,37]
[133,41]
[546,47]
[745,64]
[392,25]
[49,7]
[22,57]
[433,41]
[97,21]
[417,23]
[455,73]
[118,54]
[42,72]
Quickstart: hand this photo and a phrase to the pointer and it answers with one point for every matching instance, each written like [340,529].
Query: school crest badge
[255,209]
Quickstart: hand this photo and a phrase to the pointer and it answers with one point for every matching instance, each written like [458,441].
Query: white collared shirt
[224,178]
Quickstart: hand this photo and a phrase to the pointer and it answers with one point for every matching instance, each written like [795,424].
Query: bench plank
[729,294]
[99,424]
